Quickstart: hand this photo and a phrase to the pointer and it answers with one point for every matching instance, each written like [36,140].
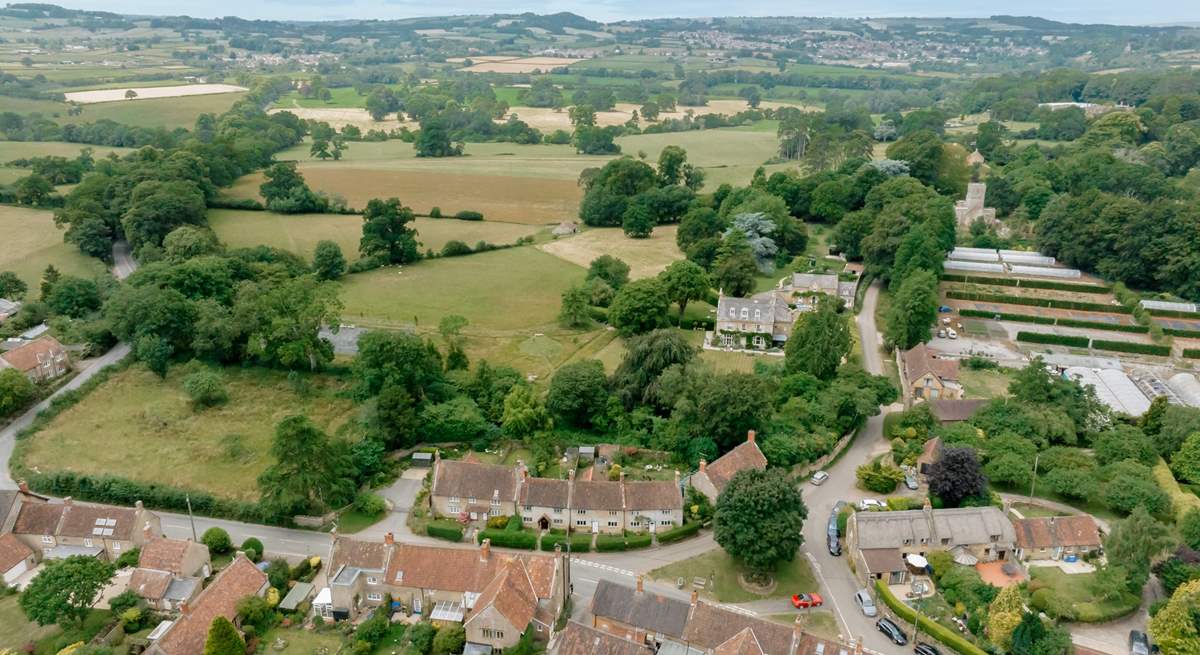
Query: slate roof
[962,526]
[188,634]
[652,494]
[579,639]
[773,306]
[919,360]
[475,480]
[29,356]
[644,610]
[39,519]
[597,495]
[368,555]
[1059,531]
[744,457]
[12,552]
[953,411]
[824,283]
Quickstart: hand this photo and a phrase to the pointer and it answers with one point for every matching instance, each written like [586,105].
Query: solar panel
[99,521]
[108,532]
[97,531]
[110,522]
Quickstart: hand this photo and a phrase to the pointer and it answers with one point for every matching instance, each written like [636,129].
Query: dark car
[893,631]
[1139,644]
[835,547]
[923,648]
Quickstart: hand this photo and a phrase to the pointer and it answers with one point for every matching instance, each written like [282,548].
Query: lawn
[985,383]
[299,233]
[791,578]
[143,428]
[821,623]
[32,241]
[15,629]
[303,642]
[1079,593]
[646,257]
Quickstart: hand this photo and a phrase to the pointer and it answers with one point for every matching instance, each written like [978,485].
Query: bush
[1126,347]
[1004,316]
[1100,325]
[580,543]
[455,248]
[206,388]
[444,531]
[606,543]
[498,522]
[217,540]
[504,539]
[879,478]
[369,504]
[678,533]
[253,548]
[1175,332]
[1056,339]
[1191,353]
[935,630]
[436,212]
[469,215]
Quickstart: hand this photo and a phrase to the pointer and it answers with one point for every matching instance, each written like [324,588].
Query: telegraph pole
[1034,480]
[191,518]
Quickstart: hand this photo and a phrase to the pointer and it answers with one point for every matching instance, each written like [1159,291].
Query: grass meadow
[646,257]
[162,439]
[32,241]
[168,113]
[299,233]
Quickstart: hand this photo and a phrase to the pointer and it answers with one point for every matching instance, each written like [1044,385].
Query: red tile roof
[39,519]
[1059,531]
[743,643]
[710,626]
[149,584]
[29,356]
[188,634]
[462,569]
[12,552]
[919,360]
[162,554]
[81,520]
[511,594]
[744,457]
[579,639]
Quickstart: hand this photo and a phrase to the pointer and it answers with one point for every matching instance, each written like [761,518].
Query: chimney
[485,548]
[183,608]
[239,554]
[695,597]
[798,625]
[639,584]
[750,436]
[927,507]
[389,539]
[23,486]
[703,466]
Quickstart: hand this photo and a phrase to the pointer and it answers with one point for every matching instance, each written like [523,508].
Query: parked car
[942,334]
[1139,644]
[805,601]
[951,333]
[910,480]
[944,309]
[868,504]
[923,648]
[892,631]
[835,546]
[864,602]
[819,478]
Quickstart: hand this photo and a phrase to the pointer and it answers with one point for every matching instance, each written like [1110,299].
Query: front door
[544,523]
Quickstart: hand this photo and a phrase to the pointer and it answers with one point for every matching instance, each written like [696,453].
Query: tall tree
[735,268]
[64,591]
[646,358]
[639,307]
[913,310]
[309,473]
[574,312]
[386,233]
[283,320]
[578,392]
[1176,626]
[328,261]
[11,286]
[684,282]
[759,518]
[820,340]
[610,269]
[524,412]
[956,475]
[224,639]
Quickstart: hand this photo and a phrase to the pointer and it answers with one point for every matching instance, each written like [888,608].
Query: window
[452,499]
[495,511]
[745,313]
[732,313]
[372,580]
[558,521]
[558,510]
[908,542]
[527,519]
[581,511]
[47,539]
[726,339]
[495,502]
[757,314]
[666,512]
[665,522]
[529,508]
[612,513]
[945,541]
[399,576]
[759,341]
[116,545]
[489,633]
[612,524]
[374,597]
[471,500]
[87,543]
[581,522]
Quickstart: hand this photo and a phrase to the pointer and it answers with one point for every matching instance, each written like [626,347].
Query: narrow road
[123,262]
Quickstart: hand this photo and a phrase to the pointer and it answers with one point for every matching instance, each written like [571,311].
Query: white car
[951,333]
[819,478]
[868,504]
[864,602]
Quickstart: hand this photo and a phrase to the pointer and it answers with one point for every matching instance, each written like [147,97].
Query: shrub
[370,504]
[879,478]
[611,542]
[1056,339]
[436,212]
[469,215]
[253,548]
[1126,347]
[1004,316]
[503,539]
[444,531]
[455,248]
[678,533]
[206,388]
[1100,325]
[217,540]
[580,543]
[1175,332]
[935,630]
[498,522]
[1191,353]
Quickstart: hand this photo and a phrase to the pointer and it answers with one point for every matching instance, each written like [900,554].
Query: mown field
[158,112]
[727,155]
[10,150]
[31,242]
[144,428]
[299,233]
[646,257]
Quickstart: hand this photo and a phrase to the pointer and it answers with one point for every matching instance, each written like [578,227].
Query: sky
[1080,11]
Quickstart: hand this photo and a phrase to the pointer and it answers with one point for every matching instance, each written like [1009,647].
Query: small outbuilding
[565,228]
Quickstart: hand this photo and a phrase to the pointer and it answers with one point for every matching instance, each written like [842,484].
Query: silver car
[864,602]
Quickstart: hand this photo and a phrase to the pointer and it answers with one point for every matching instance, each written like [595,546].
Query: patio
[918,587]
[1000,573]
[1077,567]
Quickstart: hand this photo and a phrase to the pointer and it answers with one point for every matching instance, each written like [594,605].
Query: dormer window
[757,314]
[745,313]
[732,313]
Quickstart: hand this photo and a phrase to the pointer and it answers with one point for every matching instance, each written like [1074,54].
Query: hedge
[676,534]
[1055,339]
[1171,313]
[526,540]
[1038,302]
[1028,284]
[1176,332]
[1191,353]
[606,543]
[580,543]
[927,625]
[1100,325]
[1126,347]
[1004,316]
[468,215]
[442,531]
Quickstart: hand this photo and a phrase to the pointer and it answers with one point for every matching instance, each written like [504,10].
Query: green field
[727,155]
[158,112]
[299,233]
[15,629]
[32,241]
[138,426]
[10,150]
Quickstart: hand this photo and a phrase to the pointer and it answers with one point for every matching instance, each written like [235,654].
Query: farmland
[161,439]
[32,242]
[167,112]
[299,233]
[119,94]
[646,257]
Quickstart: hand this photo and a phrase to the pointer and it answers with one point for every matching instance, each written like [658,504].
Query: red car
[805,601]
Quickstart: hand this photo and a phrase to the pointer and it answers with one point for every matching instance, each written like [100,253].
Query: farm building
[1113,387]
[1186,387]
